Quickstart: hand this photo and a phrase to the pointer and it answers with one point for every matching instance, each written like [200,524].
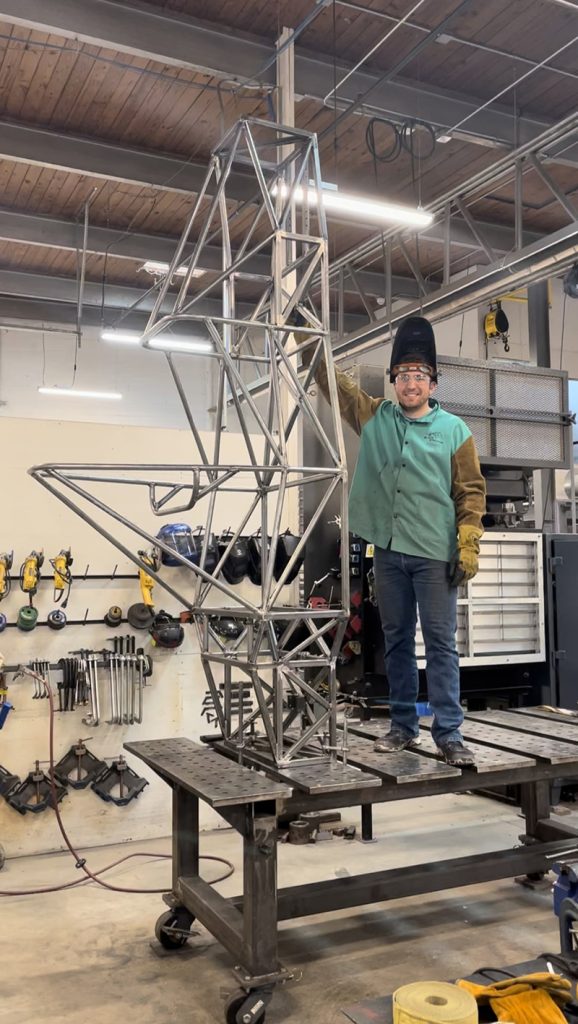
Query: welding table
[528,747]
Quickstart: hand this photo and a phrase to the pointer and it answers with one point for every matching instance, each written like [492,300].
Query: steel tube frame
[247,924]
[297,236]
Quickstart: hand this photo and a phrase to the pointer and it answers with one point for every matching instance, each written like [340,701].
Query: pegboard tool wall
[173,702]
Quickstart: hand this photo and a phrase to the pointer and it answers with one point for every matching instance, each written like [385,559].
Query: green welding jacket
[415,481]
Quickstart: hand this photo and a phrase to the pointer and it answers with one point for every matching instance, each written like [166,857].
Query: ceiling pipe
[539,261]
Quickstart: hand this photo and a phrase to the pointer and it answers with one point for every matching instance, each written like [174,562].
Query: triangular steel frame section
[286,649]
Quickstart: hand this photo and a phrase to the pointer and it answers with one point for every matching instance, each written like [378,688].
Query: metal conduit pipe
[536,262]
[541,260]
[451,37]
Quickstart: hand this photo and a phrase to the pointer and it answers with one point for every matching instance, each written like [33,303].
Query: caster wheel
[181,921]
[246,1008]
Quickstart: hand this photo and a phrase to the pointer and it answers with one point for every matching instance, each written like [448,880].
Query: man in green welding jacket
[418,496]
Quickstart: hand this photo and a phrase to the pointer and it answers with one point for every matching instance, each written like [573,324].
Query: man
[418,495]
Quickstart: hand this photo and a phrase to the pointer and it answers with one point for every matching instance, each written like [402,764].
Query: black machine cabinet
[561,581]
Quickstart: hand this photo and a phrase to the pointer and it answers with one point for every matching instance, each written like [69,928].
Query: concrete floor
[86,956]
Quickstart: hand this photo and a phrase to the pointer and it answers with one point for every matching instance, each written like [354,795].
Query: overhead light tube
[158,267]
[357,206]
[180,345]
[121,337]
[78,393]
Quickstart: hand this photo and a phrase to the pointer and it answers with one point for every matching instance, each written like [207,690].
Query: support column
[535,805]
[539,323]
[539,353]
[185,834]
[260,896]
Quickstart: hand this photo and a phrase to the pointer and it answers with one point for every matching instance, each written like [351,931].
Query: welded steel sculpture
[285,649]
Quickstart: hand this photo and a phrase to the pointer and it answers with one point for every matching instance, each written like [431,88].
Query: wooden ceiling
[66,86]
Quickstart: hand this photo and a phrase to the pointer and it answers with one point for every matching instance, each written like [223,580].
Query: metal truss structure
[287,651]
[455,222]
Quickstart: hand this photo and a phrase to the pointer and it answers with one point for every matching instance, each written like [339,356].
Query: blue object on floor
[424,709]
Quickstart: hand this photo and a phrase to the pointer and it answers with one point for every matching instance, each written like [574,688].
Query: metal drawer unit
[501,611]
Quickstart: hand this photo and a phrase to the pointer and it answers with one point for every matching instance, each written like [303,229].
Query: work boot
[394,740]
[455,753]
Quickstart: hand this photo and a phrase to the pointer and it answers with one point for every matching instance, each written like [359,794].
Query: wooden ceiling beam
[112,160]
[181,41]
[58,233]
[53,300]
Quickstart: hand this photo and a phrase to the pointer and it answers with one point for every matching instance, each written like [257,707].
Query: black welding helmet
[227,628]
[212,555]
[166,631]
[286,545]
[236,565]
[179,537]
[414,345]
[255,559]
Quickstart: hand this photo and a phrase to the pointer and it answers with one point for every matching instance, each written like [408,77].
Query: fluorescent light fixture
[157,267]
[77,393]
[121,337]
[163,343]
[180,345]
[357,206]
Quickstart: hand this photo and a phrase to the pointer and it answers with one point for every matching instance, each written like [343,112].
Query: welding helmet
[414,345]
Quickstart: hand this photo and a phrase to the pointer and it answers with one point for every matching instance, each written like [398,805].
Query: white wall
[29,359]
[32,518]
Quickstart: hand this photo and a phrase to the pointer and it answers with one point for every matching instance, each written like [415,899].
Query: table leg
[260,895]
[185,834]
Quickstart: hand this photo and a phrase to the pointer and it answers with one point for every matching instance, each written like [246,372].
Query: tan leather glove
[530,999]
[466,564]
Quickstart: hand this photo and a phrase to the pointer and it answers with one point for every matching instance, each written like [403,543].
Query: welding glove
[466,563]
[529,999]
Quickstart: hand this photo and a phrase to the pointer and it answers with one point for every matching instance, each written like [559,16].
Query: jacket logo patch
[434,437]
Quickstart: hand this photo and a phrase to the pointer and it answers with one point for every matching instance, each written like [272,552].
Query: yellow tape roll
[433,1002]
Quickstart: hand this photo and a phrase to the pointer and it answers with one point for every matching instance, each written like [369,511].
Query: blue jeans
[405,583]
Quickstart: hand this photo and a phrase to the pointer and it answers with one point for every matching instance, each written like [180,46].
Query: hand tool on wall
[119,784]
[6,560]
[5,705]
[141,615]
[56,619]
[78,767]
[35,792]
[8,782]
[140,669]
[29,579]
[90,659]
[113,617]
[61,564]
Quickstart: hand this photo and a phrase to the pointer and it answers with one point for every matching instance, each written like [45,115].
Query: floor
[86,955]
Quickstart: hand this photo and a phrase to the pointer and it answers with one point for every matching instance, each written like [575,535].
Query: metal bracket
[80,762]
[119,774]
[252,981]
